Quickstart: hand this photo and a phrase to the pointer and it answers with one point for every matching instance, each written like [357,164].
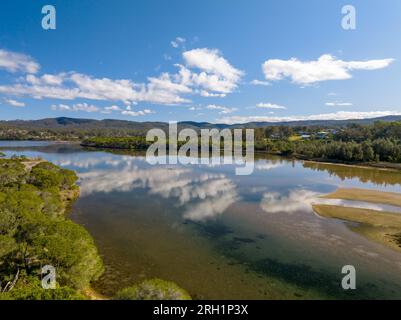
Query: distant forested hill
[64,122]
[73,128]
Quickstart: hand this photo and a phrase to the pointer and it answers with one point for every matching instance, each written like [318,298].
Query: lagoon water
[222,236]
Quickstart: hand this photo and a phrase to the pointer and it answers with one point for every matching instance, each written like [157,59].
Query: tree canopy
[34,233]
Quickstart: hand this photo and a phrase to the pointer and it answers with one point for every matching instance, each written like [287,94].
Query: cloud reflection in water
[202,196]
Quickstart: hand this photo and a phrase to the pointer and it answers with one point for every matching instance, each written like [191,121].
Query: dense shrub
[29,288]
[154,289]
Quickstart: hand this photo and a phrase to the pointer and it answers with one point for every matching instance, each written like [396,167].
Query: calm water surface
[224,236]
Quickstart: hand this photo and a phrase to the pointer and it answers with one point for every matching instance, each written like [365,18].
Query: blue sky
[216,61]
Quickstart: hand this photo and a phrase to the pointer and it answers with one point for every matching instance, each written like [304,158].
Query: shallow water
[219,235]
[18,144]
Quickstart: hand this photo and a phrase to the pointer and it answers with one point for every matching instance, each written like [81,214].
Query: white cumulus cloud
[326,67]
[213,77]
[216,73]
[211,61]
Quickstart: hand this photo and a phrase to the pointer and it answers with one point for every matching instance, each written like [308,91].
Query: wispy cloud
[110,109]
[205,93]
[177,42]
[17,62]
[137,113]
[46,79]
[84,107]
[341,115]
[222,110]
[195,108]
[338,104]
[14,103]
[75,107]
[260,83]
[268,105]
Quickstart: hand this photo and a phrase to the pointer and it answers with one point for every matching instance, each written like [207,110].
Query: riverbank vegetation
[379,143]
[34,232]
[126,143]
[352,144]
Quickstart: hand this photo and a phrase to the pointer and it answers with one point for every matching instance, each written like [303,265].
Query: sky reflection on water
[187,223]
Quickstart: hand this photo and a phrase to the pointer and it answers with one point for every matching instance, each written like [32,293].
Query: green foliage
[45,175]
[7,245]
[154,289]
[354,143]
[52,204]
[33,232]
[18,210]
[134,143]
[11,171]
[71,250]
[69,178]
[29,288]
[351,143]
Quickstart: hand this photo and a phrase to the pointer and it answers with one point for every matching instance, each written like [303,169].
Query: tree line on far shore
[353,143]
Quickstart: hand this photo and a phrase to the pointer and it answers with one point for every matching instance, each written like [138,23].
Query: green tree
[367,150]
[71,250]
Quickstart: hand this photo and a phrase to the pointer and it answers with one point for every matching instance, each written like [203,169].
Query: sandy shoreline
[374,165]
[372,196]
[379,226]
